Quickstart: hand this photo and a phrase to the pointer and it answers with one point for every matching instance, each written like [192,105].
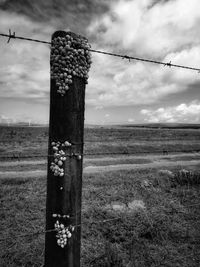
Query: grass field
[155,211]
[30,141]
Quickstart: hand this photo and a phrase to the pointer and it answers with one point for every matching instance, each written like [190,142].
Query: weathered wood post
[70,62]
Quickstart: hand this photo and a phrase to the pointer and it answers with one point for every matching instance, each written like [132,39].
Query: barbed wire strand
[54,230]
[44,142]
[13,36]
[81,211]
[168,64]
[19,156]
[90,223]
[77,225]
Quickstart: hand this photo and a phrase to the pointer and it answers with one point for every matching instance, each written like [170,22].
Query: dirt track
[158,161]
[147,156]
[155,164]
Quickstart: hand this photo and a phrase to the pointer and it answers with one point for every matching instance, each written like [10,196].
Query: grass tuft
[186,177]
[14,182]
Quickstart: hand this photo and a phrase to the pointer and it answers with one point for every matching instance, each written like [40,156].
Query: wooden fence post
[70,62]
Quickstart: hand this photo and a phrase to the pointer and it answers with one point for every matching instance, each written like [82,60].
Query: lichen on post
[70,62]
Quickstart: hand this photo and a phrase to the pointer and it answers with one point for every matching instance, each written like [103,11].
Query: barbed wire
[83,223]
[54,230]
[99,142]
[168,64]
[23,141]
[163,152]
[13,36]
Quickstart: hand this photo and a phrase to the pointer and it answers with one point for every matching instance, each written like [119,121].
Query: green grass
[164,233]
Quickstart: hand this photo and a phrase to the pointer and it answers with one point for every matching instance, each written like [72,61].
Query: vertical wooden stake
[64,193]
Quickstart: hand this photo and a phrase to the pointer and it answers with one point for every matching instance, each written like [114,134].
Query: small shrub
[185,177]
[164,179]
[181,178]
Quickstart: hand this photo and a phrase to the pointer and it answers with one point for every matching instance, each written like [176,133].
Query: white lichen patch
[118,206]
[133,206]
[70,56]
[63,233]
[59,157]
[136,205]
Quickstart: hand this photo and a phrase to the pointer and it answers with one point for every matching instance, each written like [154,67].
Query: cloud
[20,117]
[151,29]
[98,107]
[164,30]
[144,28]
[62,14]
[122,83]
[185,113]
[5,119]
[25,69]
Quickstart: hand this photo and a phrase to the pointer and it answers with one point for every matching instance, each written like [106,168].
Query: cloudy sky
[119,91]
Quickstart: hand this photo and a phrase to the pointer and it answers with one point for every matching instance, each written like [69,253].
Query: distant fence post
[70,62]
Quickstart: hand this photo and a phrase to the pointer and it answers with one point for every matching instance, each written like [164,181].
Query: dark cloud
[74,15]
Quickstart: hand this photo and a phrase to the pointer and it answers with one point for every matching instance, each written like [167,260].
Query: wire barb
[126,57]
[10,35]
[169,64]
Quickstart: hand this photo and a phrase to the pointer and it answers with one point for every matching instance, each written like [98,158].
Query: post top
[61,33]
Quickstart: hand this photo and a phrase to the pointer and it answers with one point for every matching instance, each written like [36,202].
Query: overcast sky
[119,91]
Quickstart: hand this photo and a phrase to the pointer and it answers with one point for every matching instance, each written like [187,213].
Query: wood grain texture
[66,123]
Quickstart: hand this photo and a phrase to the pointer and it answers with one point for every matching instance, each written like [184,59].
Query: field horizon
[88,125]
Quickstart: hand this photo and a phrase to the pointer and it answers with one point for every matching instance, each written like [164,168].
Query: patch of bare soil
[155,164]
[113,158]
[94,169]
